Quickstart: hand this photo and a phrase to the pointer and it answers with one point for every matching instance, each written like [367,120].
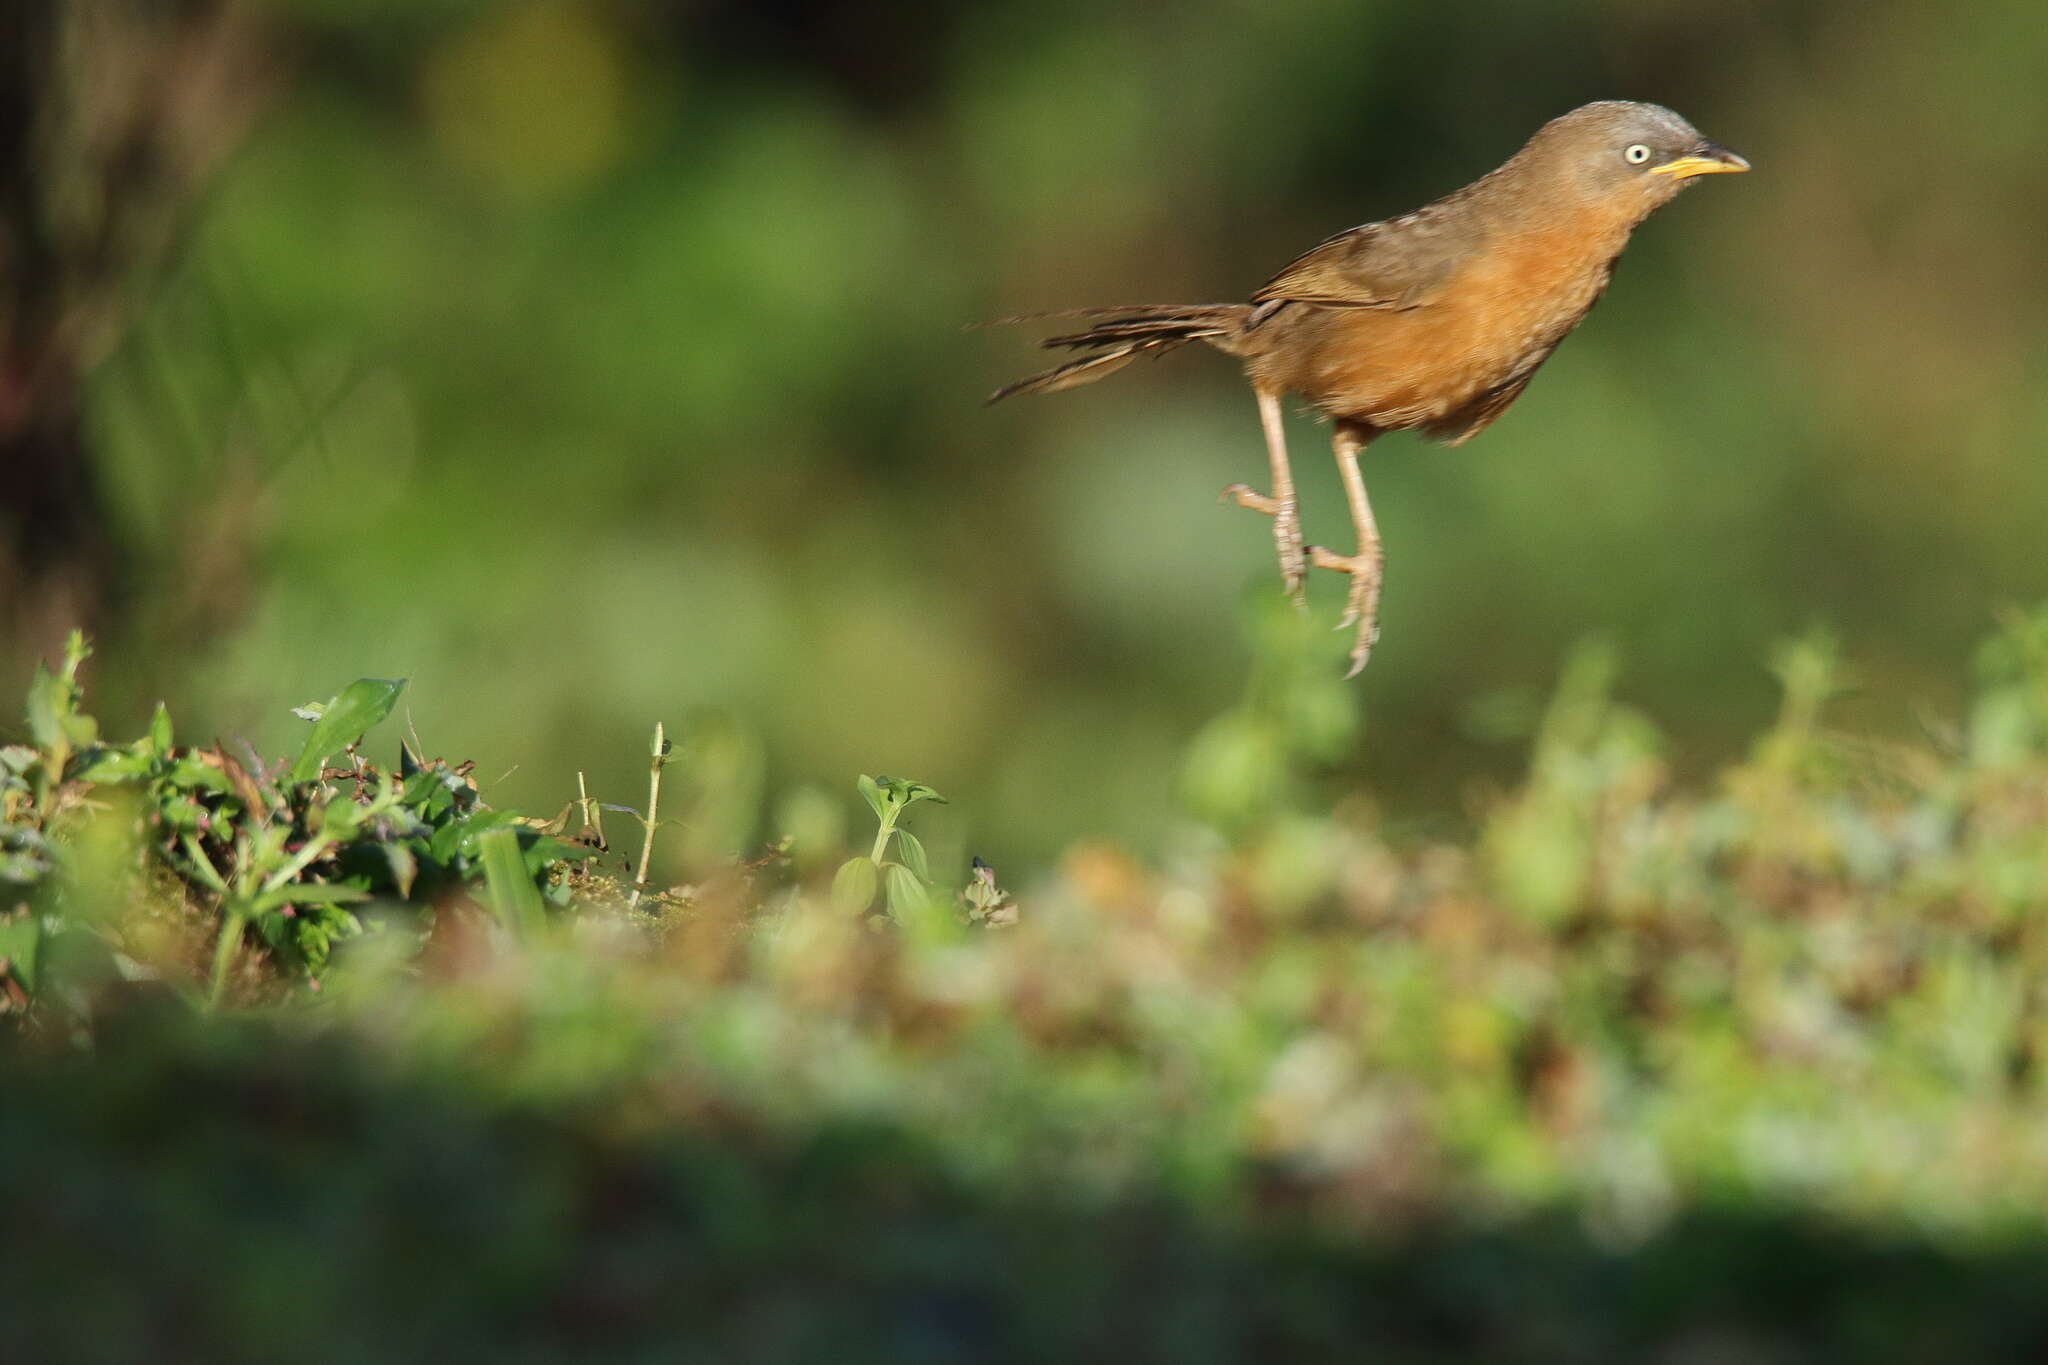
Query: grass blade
[514,899]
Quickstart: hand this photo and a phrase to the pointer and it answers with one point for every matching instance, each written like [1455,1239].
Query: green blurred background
[597,364]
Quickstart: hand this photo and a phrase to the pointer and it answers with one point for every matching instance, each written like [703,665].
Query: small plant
[904,879]
[280,848]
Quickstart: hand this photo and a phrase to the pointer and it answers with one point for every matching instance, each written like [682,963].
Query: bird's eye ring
[1636,154]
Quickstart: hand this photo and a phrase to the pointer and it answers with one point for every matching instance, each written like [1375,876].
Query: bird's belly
[1399,369]
[1406,370]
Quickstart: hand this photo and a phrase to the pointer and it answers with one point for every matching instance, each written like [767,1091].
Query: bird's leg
[1281,506]
[1363,609]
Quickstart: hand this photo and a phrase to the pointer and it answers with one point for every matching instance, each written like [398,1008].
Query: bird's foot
[1286,515]
[1362,609]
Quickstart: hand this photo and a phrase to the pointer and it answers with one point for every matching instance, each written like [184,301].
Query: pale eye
[1636,154]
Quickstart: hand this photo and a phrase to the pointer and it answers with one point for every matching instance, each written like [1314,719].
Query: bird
[1432,322]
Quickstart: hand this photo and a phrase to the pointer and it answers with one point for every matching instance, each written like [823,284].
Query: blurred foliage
[589,363]
[256,1195]
[1646,1069]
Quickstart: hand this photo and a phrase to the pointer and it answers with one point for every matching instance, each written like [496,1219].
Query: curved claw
[1243,496]
[1361,649]
[1362,605]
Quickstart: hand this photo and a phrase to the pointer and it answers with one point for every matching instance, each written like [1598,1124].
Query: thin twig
[653,810]
[593,819]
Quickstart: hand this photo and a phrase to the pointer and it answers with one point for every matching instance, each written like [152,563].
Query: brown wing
[1400,263]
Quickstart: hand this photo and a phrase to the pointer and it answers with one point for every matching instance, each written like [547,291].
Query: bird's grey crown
[1628,119]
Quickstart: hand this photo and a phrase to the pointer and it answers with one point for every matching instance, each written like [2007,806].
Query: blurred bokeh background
[595,364]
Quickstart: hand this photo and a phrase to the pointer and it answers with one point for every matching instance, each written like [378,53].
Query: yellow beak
[1709,160]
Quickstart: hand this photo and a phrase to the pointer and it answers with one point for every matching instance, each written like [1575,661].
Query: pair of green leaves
[906,878]
[854,886]
[886,795]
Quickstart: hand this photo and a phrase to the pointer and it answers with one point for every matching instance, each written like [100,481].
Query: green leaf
[326,893]
[871,790]
[853,886]
[903,792]
[112,765]
[53,715]
[46,697]
[436,789]
[160,731]
[23,867]
[346,720]
[181,812]
[76,652]
[458,837]
[309,893]
[912,852]
[513,896]
[404,868]
[906,893]
[193,771]
[546,851]
[21,936]
[338,820]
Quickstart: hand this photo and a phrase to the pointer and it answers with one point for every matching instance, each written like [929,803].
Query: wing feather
[1397,264]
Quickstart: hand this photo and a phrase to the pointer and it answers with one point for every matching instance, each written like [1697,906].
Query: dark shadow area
[248,1195]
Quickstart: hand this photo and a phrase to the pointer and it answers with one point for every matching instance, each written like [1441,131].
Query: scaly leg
[1281,507]
[1365,567]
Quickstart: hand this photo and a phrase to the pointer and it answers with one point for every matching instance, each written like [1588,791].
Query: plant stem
[316,848]
[592,819]
[201,868]
[224,953]
[882,838]
[653,808]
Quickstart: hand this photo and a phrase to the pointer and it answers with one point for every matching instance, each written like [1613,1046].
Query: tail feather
[1130,311]
[1121,337]
[1071,375]
[1106,332]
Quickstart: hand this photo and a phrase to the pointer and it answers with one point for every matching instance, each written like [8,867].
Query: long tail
[1124,334]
